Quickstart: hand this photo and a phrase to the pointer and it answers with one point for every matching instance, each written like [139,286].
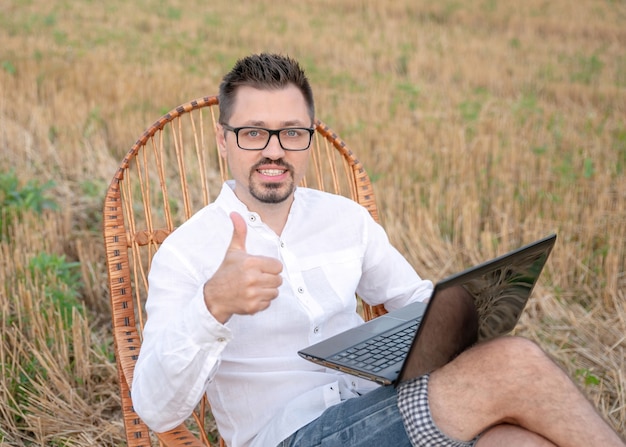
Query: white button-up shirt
[260,390]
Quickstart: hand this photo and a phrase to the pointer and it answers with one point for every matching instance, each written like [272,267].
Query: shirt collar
[229,202]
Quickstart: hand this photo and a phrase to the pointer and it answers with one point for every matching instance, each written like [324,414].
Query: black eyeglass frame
[271,132]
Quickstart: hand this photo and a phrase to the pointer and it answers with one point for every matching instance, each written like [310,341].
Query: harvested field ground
[483,124]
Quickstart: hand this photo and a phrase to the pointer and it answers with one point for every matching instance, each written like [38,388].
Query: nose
[273,150]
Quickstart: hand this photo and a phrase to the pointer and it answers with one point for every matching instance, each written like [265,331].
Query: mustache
[278,162]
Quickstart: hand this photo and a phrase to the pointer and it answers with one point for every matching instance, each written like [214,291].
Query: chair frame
[119,240]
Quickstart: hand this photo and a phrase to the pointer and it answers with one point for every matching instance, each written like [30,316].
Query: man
[249,280]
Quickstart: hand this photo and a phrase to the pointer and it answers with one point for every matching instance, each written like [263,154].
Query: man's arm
[185,333]
[180,352]
[388,278]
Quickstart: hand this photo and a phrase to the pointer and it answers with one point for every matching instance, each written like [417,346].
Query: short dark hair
[265,72]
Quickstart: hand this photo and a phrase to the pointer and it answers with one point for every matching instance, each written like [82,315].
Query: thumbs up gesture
[243,284]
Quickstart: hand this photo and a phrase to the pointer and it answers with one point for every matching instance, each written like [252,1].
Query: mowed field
[483,124]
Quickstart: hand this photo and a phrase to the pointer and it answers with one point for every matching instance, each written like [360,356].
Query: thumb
[240,231]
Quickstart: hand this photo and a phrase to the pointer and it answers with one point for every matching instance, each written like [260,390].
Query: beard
[269,192]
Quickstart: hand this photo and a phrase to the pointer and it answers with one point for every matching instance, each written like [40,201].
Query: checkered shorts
[418,422]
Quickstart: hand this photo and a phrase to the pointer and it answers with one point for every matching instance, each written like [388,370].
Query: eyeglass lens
[255,138]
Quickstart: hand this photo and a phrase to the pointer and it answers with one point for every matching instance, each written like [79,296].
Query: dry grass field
[484,124]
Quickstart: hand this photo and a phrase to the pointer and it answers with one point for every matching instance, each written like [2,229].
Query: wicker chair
[171,172]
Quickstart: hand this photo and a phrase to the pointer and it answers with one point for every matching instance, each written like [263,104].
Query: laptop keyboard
[379,352]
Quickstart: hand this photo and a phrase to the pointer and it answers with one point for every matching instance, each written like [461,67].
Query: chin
[272,193]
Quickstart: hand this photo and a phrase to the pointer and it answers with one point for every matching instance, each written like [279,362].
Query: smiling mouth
[272,172]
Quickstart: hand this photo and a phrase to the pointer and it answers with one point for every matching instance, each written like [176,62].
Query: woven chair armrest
[180,436]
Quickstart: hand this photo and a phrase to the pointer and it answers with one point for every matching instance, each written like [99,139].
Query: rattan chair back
[172,171]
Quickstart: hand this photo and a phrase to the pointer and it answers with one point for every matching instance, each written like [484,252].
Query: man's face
[272,174]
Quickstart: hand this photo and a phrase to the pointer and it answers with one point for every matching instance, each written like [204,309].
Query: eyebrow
[290,123]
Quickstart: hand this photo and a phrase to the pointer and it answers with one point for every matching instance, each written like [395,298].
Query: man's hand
[244,284]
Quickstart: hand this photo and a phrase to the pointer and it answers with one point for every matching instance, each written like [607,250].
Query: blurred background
[483,124]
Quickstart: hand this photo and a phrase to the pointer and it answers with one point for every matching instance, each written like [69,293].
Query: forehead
[269,106]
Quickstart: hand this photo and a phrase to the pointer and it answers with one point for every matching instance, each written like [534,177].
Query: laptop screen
[468,309]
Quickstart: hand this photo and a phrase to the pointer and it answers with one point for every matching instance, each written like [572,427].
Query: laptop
[475,305]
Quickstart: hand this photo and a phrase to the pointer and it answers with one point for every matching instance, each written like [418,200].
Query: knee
[515,345]
[518,353]
[501,363]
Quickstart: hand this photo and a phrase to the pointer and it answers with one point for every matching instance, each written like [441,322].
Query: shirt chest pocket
[332,277]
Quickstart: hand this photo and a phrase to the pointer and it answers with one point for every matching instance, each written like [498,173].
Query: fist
[244,284]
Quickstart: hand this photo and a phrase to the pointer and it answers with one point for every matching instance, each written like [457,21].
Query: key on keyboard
[381,351]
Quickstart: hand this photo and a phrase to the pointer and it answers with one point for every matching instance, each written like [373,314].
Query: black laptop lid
[476,305]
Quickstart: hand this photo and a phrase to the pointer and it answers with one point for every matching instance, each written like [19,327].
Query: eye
[293,133]
[253,133]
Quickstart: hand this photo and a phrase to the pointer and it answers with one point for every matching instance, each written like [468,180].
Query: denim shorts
[371,419]
[386,416]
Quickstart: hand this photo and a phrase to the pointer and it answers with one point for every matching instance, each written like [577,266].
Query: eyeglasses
[257,138]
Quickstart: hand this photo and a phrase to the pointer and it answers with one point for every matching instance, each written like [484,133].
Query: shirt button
[221,339]
[282,244]
[252,218]
[316,330]
[300,289]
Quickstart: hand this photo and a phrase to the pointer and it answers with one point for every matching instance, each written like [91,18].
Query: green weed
[409,92]
[15,199]
[28,197]
[9,67]
[586,69]
[588,378]
[62,281]
[527,107]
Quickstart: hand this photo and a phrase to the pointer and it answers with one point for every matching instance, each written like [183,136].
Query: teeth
[271,172]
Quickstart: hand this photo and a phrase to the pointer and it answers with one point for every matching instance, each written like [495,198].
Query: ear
[221,139]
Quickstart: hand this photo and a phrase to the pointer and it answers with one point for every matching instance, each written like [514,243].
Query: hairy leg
[511,380]
[512,436]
